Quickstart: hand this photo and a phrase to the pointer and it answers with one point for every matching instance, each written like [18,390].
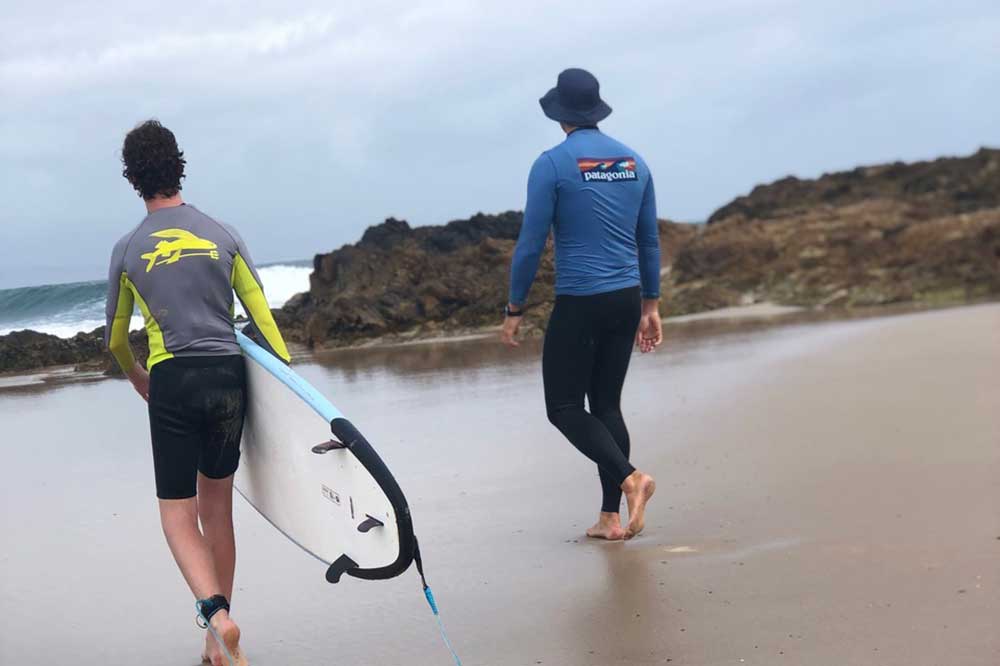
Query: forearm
[649,270]
[251,294]
[523,268]
[118,344]
[119,307]
[135,372]
[124,357]
[648,242]
[264,321]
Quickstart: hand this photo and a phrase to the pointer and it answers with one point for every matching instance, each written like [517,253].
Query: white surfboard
[331,495]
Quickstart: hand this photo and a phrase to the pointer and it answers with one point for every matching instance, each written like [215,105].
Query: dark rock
[386,235]
[424,281]
[927,232]
[22,351]
[949,185]
[29,350]
[399,280]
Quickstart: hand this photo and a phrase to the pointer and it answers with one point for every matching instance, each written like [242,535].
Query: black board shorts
[196,410]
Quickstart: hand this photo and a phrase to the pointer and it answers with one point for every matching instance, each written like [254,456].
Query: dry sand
[829,494]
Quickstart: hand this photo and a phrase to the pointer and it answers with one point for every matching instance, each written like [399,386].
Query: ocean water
[67,309]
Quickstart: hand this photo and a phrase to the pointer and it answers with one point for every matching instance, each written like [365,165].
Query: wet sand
[828,494]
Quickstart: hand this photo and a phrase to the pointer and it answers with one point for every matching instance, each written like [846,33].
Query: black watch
[512,313]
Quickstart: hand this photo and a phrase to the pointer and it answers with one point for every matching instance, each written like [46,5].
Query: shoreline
[752,316]
[762,312]
[86,370]
[737,313]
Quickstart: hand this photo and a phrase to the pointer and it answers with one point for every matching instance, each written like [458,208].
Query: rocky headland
[926,233]
[401,283]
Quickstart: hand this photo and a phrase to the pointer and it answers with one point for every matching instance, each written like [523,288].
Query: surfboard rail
[362,450]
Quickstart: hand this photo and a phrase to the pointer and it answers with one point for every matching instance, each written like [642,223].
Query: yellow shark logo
[181,244]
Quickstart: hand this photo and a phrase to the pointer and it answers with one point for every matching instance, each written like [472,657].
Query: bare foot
[638,488]
[212,650]
[229,634]
[608,526]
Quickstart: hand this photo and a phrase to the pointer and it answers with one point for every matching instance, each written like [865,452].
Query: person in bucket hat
[596,195]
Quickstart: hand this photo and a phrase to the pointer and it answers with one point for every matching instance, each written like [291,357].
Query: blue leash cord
[437,616]
[433,604]
[205,624]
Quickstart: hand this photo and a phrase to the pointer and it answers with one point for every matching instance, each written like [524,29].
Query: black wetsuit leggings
[588,344]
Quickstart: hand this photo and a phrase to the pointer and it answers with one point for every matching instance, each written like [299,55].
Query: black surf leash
[429,595]
[206,608]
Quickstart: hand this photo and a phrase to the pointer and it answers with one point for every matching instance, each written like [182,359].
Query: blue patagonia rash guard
[597,195]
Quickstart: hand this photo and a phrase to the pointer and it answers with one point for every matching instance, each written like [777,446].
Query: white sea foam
[283,281]
[67,330]
[85,311]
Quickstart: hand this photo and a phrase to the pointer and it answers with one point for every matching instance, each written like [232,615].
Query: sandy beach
[828,495]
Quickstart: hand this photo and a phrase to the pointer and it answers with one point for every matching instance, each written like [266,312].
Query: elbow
[120,349]
[116,347]
[525,262]
[124,358]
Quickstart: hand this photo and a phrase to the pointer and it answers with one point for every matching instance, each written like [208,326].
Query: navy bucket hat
[576,99]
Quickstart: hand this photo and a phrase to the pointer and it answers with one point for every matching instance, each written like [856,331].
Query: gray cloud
[305,122]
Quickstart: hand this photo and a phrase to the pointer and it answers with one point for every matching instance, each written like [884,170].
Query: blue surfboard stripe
[289,378]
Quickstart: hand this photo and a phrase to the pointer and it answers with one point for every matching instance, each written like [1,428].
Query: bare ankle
[631,482]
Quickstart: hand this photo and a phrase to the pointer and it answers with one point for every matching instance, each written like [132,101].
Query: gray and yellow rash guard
[181,267]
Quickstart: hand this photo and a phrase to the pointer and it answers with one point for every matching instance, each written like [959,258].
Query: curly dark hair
[153,163]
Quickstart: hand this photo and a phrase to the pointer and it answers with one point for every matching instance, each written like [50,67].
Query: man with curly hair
[181,267]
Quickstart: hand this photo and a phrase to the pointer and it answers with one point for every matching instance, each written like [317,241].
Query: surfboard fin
[369,523]
[326,447]
[339,567]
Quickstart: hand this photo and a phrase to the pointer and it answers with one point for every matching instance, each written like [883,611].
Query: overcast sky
[305,122]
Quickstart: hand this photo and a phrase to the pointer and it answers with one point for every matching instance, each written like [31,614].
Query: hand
[650,333]
[140,380]
[509,331]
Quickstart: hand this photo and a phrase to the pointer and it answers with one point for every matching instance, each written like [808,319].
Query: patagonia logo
[179,244]
[612,170]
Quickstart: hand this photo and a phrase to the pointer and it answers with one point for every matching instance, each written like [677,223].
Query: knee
[607,413]
[178,516]
[215,514]
[553,415]
[559,413]
[615,423]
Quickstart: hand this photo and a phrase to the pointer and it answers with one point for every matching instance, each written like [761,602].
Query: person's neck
[158,202]
[569,129]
